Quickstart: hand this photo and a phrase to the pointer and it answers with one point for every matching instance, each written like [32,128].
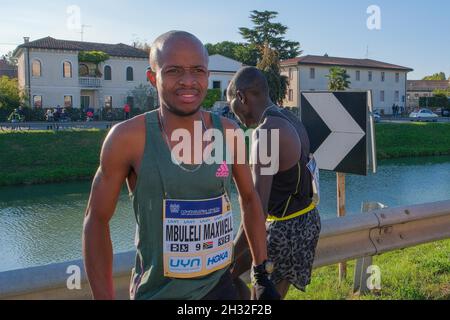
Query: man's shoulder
[129,131]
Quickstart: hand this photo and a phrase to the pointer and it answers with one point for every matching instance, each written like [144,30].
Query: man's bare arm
[251,210]
[97,246]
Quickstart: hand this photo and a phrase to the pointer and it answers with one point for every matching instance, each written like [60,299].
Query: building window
[68,101]
[358,75]
[382,95]
[291,73]
[312,73]
[67,69]
[36,68]
[291,95]
[108,102]
[107,73]
[370,76]
[383,76]
[217,85]
[397,96]
[403,98]
[130,74]
[83,70]
[37,101]
[397,77]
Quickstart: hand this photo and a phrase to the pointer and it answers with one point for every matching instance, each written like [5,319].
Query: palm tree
[338,79]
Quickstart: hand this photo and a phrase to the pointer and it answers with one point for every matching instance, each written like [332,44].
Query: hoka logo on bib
[218,258]
[185,264]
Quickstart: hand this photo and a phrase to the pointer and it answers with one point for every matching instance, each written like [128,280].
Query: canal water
[42,224]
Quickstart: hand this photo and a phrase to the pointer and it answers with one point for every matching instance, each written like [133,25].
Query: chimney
[26,39]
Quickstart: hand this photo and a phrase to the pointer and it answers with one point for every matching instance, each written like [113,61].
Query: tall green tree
[338,79]
[441,92]
[144,97]
[9,58]
[436,76]
[10,95]
[245,53]
[270,66]
[265,31]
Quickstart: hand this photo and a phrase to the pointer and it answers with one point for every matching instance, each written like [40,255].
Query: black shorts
[224,290]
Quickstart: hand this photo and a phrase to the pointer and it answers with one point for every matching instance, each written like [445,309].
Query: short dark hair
[248,78]
[163,39]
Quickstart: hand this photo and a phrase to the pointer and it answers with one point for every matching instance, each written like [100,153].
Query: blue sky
[414,33]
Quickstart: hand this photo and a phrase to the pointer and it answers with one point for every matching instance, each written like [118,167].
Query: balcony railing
[90,82]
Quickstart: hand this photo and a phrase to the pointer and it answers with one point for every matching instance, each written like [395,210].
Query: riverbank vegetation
[417,273]
[32,157]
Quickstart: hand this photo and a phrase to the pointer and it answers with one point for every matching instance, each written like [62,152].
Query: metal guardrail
[341,239]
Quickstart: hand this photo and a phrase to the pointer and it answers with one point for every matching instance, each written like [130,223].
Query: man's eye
[199,71]
[173,71]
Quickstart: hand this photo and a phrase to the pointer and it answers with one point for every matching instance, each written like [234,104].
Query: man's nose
[188,78]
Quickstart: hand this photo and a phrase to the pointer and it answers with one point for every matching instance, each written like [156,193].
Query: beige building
[50,73]
[423,89]
[308,73]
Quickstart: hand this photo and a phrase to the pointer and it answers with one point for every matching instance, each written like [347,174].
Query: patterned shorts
[291,247]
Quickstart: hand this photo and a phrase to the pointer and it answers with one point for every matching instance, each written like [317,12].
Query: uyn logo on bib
[223,171]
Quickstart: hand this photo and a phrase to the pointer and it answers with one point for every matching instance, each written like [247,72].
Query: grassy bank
[41,156]
[417,273]
[412,140]
[44,156]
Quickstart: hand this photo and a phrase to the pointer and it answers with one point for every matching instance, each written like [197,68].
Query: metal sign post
[340,187]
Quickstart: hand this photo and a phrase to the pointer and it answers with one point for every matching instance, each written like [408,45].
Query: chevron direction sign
[337,128]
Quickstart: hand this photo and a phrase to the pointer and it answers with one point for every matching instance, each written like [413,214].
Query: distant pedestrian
[126,110]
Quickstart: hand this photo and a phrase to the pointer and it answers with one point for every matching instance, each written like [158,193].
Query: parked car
[376,116]
[424,114]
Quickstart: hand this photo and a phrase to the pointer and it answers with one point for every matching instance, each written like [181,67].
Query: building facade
[222,70]
[423,89]
[309,73]
[51,75]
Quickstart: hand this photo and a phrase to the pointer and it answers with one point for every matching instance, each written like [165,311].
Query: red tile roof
[342,62]
[116,50]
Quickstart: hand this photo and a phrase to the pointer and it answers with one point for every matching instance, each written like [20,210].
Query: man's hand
[264,288]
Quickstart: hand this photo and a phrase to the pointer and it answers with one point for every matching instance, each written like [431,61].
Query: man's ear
[151,76]
[241,96]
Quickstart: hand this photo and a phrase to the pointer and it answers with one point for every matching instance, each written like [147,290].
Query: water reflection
[42,224]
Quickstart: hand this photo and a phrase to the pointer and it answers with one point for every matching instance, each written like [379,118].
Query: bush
[212,97]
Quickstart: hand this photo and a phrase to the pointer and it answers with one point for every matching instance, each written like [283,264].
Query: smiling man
[184,234]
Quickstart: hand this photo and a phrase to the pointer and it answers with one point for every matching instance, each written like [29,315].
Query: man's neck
[173,121]
[259,112]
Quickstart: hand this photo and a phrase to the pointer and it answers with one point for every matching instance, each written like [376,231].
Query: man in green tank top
[184,234]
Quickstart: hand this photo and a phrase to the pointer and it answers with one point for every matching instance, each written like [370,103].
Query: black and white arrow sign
[337,124]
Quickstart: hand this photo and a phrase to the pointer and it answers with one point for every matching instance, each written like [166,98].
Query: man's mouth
[188,97]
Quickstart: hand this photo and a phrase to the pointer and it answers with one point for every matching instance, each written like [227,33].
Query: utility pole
[82,30]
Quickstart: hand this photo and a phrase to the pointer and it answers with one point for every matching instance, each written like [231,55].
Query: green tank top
[159,178]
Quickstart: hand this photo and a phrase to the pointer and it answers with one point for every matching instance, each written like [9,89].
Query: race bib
[198,236]
[314,170]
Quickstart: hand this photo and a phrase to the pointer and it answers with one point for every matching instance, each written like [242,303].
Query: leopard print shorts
[291,247]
